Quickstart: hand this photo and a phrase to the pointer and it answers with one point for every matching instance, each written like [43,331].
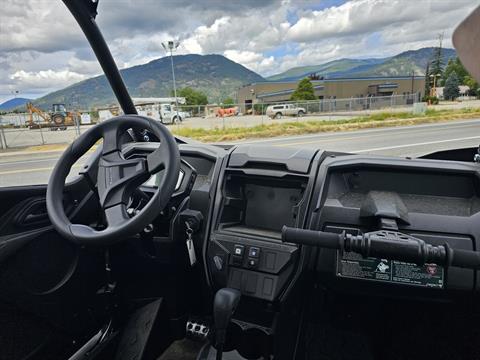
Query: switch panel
[257,268]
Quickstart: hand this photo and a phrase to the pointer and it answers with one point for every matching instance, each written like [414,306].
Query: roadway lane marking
[29,161]
[322,141]
[20,171]
[362,136]
[413,145]
[441,126]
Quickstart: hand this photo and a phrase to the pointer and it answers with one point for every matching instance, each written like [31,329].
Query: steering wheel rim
[116,179]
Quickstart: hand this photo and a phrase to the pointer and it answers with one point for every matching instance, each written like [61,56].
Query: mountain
[401,64]
[334,66]
[215,75]
[13,103]
[220,77]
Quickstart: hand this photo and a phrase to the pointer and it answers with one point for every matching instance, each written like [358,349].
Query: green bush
[430,99]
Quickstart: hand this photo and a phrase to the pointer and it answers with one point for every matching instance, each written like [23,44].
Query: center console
[262,189]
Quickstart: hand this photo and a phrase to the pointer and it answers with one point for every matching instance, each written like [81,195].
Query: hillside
[401,64]
[215,75]
[220,77]
[13,103]
[341,65]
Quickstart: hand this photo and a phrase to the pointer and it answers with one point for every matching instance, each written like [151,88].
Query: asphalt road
[34,168]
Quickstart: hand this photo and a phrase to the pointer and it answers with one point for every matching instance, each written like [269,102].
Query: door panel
[47,284]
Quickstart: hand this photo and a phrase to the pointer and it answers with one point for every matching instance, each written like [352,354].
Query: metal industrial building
[279,91]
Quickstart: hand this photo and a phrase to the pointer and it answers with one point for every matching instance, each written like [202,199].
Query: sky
[42,48]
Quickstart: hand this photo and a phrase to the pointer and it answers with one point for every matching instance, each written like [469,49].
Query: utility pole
[413,80]
[171,46]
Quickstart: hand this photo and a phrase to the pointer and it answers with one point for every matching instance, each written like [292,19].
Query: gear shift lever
[224,305]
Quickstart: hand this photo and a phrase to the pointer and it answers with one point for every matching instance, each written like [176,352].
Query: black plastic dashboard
[441,202]
[261,188]
[248,192]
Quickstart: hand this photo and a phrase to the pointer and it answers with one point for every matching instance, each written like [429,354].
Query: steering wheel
[116,180]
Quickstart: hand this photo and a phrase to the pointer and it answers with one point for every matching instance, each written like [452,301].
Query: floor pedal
[196,329]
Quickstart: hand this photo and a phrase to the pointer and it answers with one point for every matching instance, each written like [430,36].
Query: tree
[455,65]
[437,62]
[228,101]
[304,90]
[427,80]
[192,97]
[472,84]
[451,90]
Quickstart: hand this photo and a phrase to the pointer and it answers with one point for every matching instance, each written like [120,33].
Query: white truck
[169,115]
[160,109]
[277,111]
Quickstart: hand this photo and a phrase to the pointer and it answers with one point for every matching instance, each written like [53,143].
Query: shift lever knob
[224,305]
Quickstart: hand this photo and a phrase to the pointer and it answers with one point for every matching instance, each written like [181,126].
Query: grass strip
[383,119]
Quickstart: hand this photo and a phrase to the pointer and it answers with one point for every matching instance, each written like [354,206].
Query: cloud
[252,60]
[43,49]
[415,20]
[37,26]
[47,78]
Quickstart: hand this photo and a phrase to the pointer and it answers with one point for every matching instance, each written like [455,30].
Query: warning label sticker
[353,265]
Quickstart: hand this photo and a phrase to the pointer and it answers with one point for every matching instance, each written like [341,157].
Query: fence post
[261,110]
[41,133]
[3,138]
[77,124]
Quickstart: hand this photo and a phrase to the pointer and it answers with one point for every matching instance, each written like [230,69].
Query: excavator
[57,119]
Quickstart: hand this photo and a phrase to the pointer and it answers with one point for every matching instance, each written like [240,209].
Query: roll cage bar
[85,12]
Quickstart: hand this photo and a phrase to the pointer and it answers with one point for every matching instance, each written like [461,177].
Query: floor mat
[352,328]
[182,350]
[20,334]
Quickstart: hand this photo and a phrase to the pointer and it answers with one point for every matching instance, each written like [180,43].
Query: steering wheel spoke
[157,160]
[116,215]
[111,136]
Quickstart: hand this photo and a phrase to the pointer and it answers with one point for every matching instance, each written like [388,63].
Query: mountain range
[215,75]
[401,64]
[219,77]
[13,103]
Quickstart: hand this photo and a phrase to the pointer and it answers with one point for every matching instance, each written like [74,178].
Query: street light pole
[171,46]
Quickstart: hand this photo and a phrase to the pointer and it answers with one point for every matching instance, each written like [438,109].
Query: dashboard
[247,193]
[261,188]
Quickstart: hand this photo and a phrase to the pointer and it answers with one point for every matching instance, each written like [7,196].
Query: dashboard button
[238,250]
[252,263]
[253,252]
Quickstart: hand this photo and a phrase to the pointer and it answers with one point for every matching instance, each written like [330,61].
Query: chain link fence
[239,115]
[16,132]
